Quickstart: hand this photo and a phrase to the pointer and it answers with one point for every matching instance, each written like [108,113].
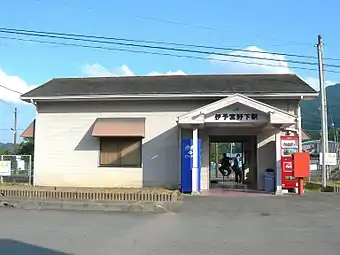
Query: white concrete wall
[267,146]
[267,141]
[290,106]
[266,154]
[67,155]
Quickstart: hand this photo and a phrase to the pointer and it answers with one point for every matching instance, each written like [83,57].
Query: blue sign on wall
[187,162]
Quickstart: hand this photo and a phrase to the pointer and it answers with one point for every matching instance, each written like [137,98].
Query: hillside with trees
[311,116]
[6,147]
[26,147]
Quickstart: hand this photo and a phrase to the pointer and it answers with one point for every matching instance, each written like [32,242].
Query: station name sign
[237,116]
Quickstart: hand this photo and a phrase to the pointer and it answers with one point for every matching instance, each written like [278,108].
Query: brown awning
[29,131]
[118,127]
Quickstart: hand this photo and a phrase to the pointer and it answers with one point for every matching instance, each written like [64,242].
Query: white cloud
[252,64]
[178,72]
[314,82]
[256,65]
[97,70]
[13,84]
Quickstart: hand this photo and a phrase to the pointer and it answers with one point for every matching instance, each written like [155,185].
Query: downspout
[299,125]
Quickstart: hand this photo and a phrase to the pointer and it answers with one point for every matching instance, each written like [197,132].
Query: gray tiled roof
[185,84]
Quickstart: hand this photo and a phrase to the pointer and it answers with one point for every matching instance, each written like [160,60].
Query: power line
[43,34]
[180,23]
[158,53]
[10,129]
[161,20]
[156,42]
[160,42]
[60,35]
[147,41]
[15,91]
[72,37]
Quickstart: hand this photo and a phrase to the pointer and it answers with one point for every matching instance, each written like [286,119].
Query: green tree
[6,152]
[26,147]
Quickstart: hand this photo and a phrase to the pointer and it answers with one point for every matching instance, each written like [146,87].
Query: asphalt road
[206,225]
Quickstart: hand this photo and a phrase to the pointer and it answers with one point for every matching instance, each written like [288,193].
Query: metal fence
[333,172]
[16,169]
[313,147]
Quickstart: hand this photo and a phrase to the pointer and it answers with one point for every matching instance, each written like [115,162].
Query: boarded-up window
[120,151]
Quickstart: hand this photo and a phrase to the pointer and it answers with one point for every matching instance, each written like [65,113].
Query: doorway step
[232,189]
[221,192]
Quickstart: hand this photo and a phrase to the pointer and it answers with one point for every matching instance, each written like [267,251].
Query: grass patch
[312,188]
[317,186]
[14,184]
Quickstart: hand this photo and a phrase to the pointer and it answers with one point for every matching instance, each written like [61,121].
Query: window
[120,151]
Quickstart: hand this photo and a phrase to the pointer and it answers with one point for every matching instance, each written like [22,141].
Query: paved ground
[222,225]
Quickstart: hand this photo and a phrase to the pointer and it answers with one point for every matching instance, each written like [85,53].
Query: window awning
[119,127]
[29,131]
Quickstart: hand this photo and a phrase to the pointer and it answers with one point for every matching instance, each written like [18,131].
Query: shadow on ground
[11,247]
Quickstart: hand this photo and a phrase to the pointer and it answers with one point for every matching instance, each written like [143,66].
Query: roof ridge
[172,85]
[177,75]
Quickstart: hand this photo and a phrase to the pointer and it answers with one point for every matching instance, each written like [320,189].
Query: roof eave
[166,96]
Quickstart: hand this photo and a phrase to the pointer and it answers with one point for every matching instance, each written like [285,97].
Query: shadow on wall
[121,107]
[160,160]
[267,155]
[88,142]
[12,247]
[160,157]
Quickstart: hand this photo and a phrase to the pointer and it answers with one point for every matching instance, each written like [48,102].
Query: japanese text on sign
[5,168]
[330,159]
[236,116]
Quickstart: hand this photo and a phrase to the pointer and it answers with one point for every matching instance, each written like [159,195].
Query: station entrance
[245,147]
[250,127]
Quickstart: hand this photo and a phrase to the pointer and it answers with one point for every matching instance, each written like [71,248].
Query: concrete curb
[86,195]
[102,206]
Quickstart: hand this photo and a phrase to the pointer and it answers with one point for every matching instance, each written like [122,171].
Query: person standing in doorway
[225,167]
[237,167]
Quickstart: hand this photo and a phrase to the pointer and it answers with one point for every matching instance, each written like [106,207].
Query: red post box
[301,168]
[301,164]
[289,146]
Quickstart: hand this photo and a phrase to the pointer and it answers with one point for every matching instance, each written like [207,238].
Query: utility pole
[15,131]
[324,121]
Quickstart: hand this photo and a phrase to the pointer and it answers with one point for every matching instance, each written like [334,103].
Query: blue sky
[286,26]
